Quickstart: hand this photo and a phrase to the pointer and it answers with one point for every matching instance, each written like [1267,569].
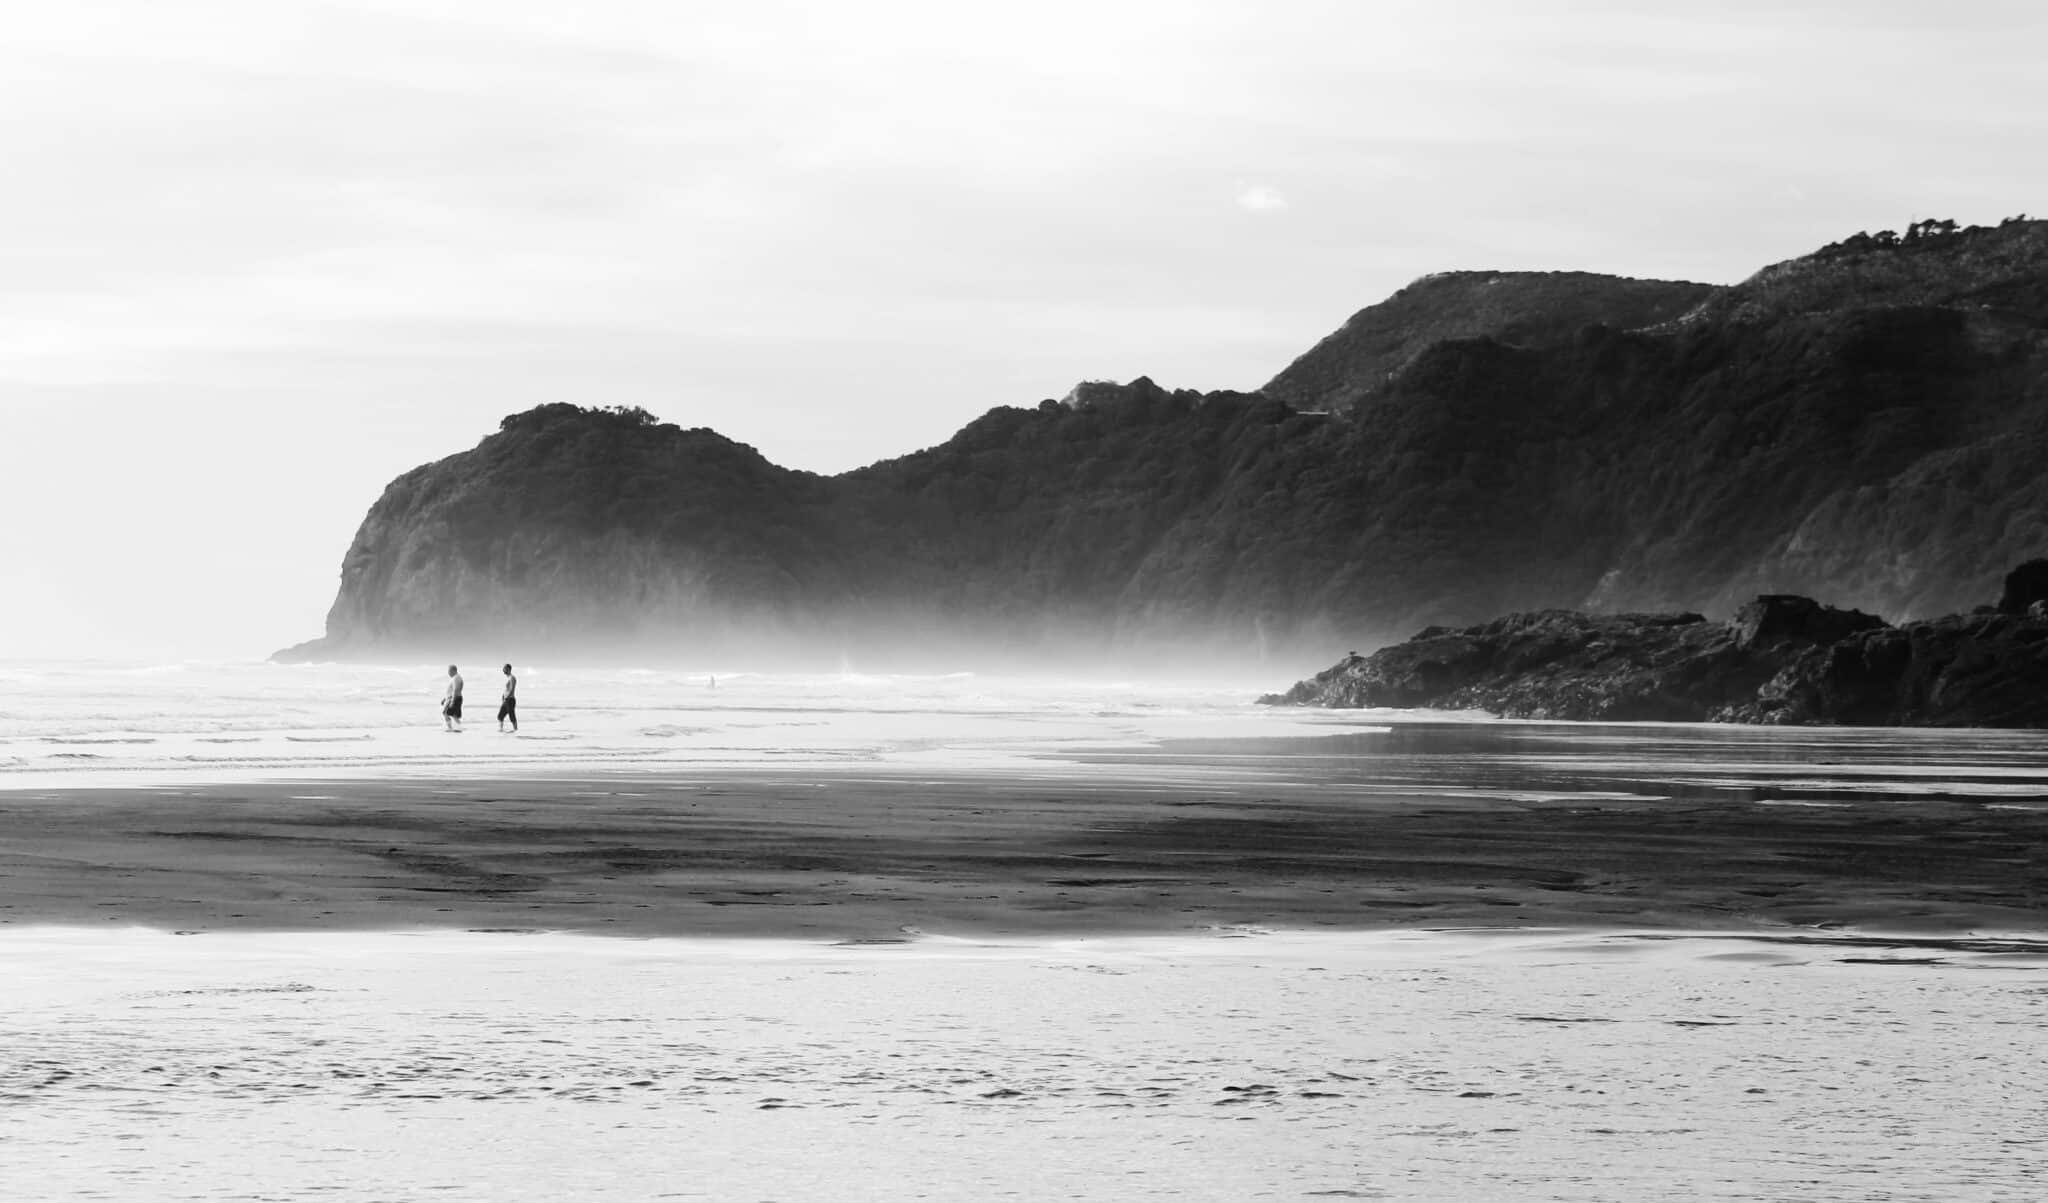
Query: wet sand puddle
[1512,1065]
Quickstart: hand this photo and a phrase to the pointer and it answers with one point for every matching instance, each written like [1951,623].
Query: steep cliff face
[1866,424]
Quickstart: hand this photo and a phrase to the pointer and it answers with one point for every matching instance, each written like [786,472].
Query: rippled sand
[1526,1065]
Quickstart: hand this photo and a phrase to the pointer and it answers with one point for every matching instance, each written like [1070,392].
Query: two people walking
[508,706]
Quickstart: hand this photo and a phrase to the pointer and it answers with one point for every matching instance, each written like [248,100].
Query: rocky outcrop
[2026,589]
[1781,659]
[1970,670]
[1865,424]
[1783,620]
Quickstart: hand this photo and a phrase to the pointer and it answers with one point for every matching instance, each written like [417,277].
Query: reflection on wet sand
[1417,824]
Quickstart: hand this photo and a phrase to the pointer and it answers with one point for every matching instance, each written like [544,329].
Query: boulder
[2025,587]
[1777,620]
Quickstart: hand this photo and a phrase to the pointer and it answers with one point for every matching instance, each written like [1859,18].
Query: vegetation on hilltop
[1526,309]
[1996,268]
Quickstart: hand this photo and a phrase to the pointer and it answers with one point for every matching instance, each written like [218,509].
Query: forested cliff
[1866,424]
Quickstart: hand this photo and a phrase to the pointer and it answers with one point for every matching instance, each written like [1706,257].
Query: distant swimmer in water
[451,702]
[508,708]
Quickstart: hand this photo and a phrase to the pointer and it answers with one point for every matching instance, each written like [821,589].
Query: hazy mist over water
[1045,648]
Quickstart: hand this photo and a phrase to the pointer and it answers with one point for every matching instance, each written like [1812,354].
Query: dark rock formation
[1782,659]
[1780,620]
[2026,588]
[1967,670]
[1864,424]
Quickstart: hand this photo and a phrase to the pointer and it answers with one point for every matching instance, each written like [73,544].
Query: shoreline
[110,948]
[876,856]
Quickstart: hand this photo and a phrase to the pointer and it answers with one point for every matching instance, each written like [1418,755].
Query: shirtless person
[509,707]
[451,702]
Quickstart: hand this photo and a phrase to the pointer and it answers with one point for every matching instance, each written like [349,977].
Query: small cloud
[1258,198]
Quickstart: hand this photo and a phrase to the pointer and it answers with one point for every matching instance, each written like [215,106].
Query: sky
[258,257]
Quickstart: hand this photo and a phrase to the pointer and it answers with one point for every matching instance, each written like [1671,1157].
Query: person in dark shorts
[508,709]
[451,702]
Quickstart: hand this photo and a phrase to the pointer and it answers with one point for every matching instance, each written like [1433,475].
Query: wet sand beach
[1201,836]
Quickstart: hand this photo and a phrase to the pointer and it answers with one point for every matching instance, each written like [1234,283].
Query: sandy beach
[976,945]
[1560,1065]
